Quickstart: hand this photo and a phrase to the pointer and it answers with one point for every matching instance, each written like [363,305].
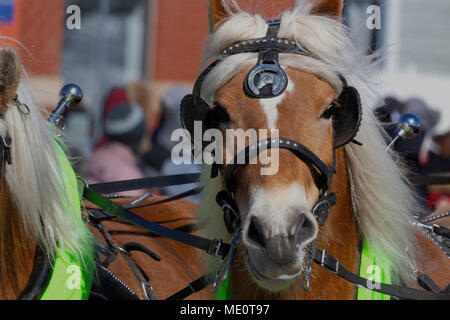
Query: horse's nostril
[255,235]
[305,230]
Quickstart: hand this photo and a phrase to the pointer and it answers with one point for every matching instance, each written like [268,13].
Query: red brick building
[38,26]
[179,36]
[175,31]
[182,27]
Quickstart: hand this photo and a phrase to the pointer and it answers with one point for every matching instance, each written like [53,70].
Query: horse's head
[276,215]
[273,82]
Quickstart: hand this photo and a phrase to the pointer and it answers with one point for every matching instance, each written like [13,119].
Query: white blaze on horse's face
[270,106]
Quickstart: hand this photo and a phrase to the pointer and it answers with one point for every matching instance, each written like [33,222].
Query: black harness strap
[428,284]
[134,246]
[144,183]
[332,265]
[213,247]
[169,199]
[141,276]
[430,180]
[321,172]
[269,42]
[39,277]
[193,287]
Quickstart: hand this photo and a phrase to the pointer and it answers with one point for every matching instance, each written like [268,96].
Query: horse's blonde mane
[383,202]
[36,184]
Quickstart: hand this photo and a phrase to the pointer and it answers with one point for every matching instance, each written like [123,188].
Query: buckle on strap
[214,248]
[147,289]
[328,262]
[224,268]
[322,208]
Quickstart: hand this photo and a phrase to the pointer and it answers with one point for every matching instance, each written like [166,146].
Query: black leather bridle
[5,147]
[321,173]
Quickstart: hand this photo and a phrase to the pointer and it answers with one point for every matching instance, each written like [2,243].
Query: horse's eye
[329,112]
[217,116]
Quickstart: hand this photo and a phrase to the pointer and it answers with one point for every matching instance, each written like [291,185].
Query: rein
[331,264]
[40,275]
[213,247]
[144,183]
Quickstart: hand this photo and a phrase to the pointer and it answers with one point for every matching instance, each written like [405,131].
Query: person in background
[160,154]
[117,158]
[388,113]
[116,96]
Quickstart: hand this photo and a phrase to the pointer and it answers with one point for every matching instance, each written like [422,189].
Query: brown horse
[375,203]
[37,208]
[40,208]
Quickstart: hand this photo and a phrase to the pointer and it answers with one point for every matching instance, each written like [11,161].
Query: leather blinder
[347,117]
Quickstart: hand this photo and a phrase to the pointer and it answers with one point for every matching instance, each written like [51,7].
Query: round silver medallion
[266,74]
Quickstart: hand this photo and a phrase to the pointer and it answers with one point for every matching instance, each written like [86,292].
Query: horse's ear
[10,69]
[218,12]
[331,8]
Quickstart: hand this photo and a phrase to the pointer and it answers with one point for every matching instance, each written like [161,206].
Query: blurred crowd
[426,154]
[136,139]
